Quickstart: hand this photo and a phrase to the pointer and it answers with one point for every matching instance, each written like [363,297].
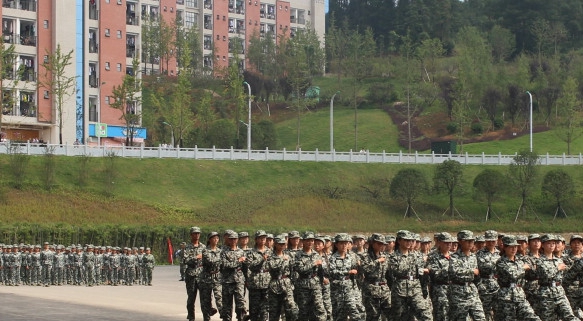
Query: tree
[502,42]
[522,173]
[448,176]
[407,185]
[569,126]
[491,102]
[127,99]
[489,183]
[221,134]
[559,185]
[150,41]
[205,113]
[58,83]
[428,53]
[7,72]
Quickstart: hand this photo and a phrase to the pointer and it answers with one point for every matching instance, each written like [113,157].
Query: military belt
[282,277]
[377,283]
[550,284]
[309,276]
[510,285]
[409,277]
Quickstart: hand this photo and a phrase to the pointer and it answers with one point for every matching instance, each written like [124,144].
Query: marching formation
[384,277]
[74,265]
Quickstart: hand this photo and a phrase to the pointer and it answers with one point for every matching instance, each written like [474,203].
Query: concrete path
[165,300]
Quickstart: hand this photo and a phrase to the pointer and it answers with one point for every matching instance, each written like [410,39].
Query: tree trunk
[451,208]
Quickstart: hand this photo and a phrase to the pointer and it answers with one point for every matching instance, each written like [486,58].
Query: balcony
[131,52]
[27,5]
[208,45]
[93,13]
[93,81]
[132,19]
[28,40]
[93,46]
[28,74]
[208,26]
[208,4]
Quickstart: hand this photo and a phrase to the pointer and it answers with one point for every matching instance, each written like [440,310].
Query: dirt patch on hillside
[433,127]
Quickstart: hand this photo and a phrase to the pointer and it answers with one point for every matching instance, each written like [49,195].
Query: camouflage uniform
[89,265]
[511,303]
[375,292]
[405,271]
[17,264]
[280,294]
[149,262]
[258,281]
[488,287]
[47,257]
[210,282]
[131,263]
[233,282]
[59,267]
[308,287]
[438,265]
[114,267]
[25,271]
[192,273]
[553,300]
[36,275]
[463,296]
[531,279]
[573,280]
[343,285]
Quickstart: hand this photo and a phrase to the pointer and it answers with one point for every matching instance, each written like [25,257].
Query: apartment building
[104,37]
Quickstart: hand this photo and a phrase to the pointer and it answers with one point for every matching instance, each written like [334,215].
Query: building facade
[105,36]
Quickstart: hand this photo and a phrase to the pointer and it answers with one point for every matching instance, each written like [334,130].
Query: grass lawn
[543,143]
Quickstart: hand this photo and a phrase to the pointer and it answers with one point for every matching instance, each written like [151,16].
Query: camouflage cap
[260,233]
[575,237]
[376,237]
[465,235]
[560,238]
[280,239]
[342,237]
[548,237]
[521,238]
[194,229]
[328,238]
[417,237]
[308,235]
[425,240]
[491,235]
[243,234]
[480,239]
[293,234]
[147,249]
[534,236]
[446,237]
[45,243]
[227,232]
[358,236]
[390,238]
[320,238]
[269,236]
[509,240]
[406,235]
[211,234]
[231,235]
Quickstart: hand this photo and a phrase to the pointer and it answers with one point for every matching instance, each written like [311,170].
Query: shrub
[381,94]
[498,123]
[452,127]
[477,128]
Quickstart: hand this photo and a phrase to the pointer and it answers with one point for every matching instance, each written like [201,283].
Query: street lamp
[249,122]
[530,105]
[172,130]
[332,121]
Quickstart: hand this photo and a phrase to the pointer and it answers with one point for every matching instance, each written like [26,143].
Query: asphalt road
[165,300]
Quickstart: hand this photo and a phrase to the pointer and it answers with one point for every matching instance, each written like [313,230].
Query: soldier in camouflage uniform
[438,266]
[464,298]
[140,267]
[405,271]
[280,294]
[59,266]
[47,257]
[192,259]
[8,262]
[320,247]
[179,256]
[149,263]
[131,263]
[343,287]
[25,268]
[549,269]
[573,280]
[17,264]
[531,279]
[511,303]
[114,266]
[375,292]
[258,277]
[308,286]
[487,258]
[210,277]
[233,282]
[36,274]
[89,265]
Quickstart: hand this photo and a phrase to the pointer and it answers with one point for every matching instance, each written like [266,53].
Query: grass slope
[326,197]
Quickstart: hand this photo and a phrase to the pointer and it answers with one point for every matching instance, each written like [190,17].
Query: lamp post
[172,130]
[530,105]
[332,121]
[249,121]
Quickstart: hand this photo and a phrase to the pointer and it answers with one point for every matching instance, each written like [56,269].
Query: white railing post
[214,150]
[499,158]
[232,153]
[416,155]
[160,151]
[367,154]
[123,151]
[466,158]
[350,156]
[564,159]
[400,157]
[142,151]
[316,154]
[266,153]
[334,155]
[195,151]
[432,157]
[483,158]
[299,154]
[384,157]
[284,150]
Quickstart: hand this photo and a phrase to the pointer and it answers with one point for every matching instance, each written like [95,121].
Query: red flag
[170,252]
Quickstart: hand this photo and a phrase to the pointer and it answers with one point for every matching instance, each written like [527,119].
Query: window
[46,94]
[119,34]
[118,67]
[107,100]
[190,19]
[107,32]
[106,1]
[191,3]
[46,59]
[107,66]
[46,24]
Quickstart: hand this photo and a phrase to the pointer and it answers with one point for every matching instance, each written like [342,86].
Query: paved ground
[164,301]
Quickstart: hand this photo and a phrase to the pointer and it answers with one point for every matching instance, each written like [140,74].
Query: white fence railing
[279,155]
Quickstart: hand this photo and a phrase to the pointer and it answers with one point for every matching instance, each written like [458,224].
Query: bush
[477,128]
[452,127]
[381,94]
[498,123]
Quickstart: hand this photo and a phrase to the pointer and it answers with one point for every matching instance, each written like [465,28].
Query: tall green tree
[569,104]
[127,99]
[559,185]
[448,177]
[58,82]
[407,185]
[489,183]
[522,173]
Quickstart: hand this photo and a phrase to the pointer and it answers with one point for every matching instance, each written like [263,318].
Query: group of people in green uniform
[52,264]
[384,277]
